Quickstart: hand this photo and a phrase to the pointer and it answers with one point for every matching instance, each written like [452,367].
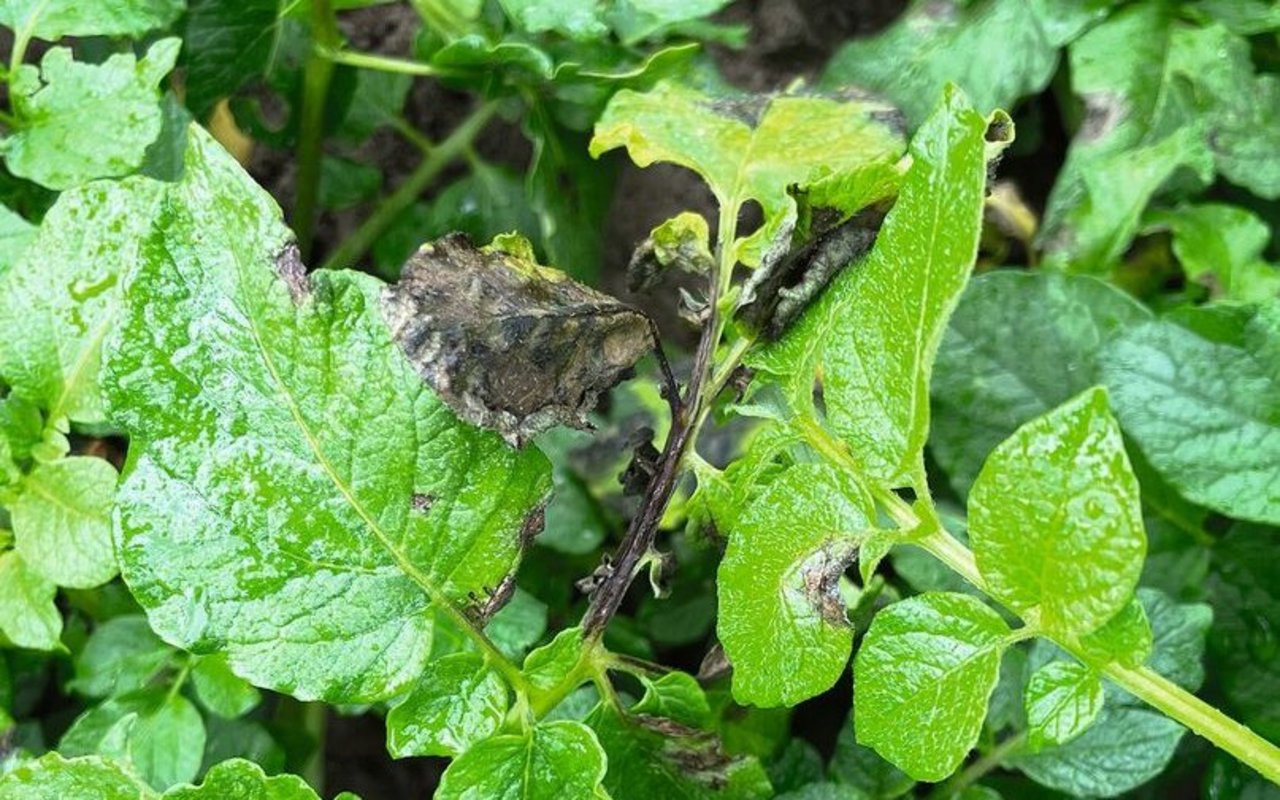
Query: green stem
[377,62]
[180,679]
[315,723]
[315,89]
[978,769]
[359,242]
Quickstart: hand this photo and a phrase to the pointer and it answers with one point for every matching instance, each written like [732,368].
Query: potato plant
[889,478]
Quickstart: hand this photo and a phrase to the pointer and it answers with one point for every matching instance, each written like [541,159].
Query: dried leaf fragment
[508,344]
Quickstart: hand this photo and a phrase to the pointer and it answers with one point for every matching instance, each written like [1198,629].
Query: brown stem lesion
[688,414]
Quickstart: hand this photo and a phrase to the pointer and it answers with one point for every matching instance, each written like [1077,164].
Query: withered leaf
[507,343]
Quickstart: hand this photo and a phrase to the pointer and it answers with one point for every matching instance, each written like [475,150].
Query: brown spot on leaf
[820,580]
[422,503]
[1103,112]
[533,524]
[293,272]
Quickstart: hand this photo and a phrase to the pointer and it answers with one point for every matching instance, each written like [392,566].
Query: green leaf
[121,656]
[15,234]
[935,43]
[1128,744]
[570,194]
[273,507]
[1019,344]
[52,144]
[242,738]
[53,777]
[1055,520]
[1063,699]
[28,617]
[243,780]
[62,521]
[748,150]
[220,690]
[378,100]
[782,620]
[518,625]
[650,756]
[550,761]
[1189,396]
[548,666]
[227,45]
[824,791]
[1125,747]
[70,274]
[53,19]
[1246,605]
[577,19]
[922,679]
[859,767]
[875,331]
[457,702]
[345,183]
[162,735]
[1220,247]
[676,696]
[1126,637]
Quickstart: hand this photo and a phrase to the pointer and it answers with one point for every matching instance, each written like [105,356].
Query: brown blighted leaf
[510,345]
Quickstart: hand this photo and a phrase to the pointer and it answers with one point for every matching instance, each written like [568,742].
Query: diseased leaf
[1055,521]
[1019,344]
[875,331]
[457,702]
[53,19]
[922,679]
[220,690]
[238,779]
[121,656]
[934,43]
[1063,699]
[750,149]
[54,147]
[550,761]
[28,617]
[53,777]
[62,521]
[1202,400]
[508,344]
[781,618]
[660,748]
[297,498]
[62,297]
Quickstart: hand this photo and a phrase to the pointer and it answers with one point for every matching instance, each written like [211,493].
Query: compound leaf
[922,679]
[1055,520]
[782,620]
[54,147]
[295,496]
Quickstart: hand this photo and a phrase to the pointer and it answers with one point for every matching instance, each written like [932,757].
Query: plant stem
[315,722]
[688,418]
[315,89]
[978,769]
[453,147]
[1175,702]
[377,62]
